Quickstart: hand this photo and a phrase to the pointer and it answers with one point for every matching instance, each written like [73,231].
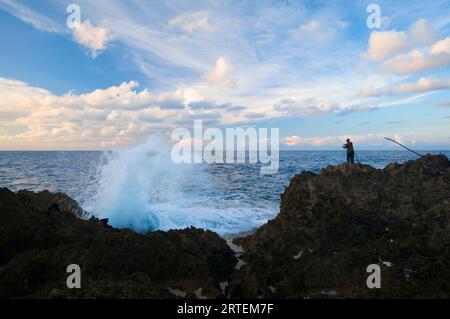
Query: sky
[317,70]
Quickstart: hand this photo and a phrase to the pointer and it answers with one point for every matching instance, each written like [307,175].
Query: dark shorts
[351,157]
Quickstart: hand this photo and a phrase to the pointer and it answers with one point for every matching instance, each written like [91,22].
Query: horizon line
[281,150]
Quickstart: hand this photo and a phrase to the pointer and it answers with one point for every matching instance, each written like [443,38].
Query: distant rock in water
[331,227]
[346,218]
[41,234]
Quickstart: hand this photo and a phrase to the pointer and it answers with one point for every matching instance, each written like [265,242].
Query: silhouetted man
[350,151]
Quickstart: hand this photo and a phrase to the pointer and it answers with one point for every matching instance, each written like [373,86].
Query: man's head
[348,140]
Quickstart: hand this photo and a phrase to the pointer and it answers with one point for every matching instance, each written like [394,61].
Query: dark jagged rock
[45,200]
[330,228]
[41,234]
[333,225]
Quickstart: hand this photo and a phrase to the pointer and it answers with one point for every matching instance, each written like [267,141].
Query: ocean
[141,188]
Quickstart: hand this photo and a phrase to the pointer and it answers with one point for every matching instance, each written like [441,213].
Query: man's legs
[348,157]
[352,157]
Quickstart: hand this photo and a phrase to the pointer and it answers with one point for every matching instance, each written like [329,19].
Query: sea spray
[142,189]
[132,182]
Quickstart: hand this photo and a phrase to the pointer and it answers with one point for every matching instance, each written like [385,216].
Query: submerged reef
[330,228]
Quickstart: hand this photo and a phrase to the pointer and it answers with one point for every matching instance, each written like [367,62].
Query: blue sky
[314,69]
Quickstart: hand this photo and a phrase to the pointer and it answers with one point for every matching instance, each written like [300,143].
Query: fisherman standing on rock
[350,151]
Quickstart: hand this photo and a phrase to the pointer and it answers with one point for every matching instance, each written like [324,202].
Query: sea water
[141,188]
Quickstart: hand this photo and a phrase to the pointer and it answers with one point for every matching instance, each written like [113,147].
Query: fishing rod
[440,173]
[390,139]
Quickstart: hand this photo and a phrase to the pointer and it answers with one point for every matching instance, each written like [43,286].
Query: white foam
[298,256]
[198,294]
[223,287]
[177,292]
[142,189]
[240,264]
[238,250]
[386,263]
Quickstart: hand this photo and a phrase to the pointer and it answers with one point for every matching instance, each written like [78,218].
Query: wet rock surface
[331,226]
[41,234]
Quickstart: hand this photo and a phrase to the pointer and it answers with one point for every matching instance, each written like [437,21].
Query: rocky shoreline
[331,226]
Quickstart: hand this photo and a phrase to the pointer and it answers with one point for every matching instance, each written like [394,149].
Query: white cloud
[313,81]
[108,131]
[220,74]
[422,85]
[117,115]
[92,37]
[29,16]
[123,97]
[370,140]
[317,31]
[421,33]
[19,96]
[441,47]
[305,107]
[418,61]
[266,75]
[192,21]
[332,142]
[383,44]
[312,26]
[293,140]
